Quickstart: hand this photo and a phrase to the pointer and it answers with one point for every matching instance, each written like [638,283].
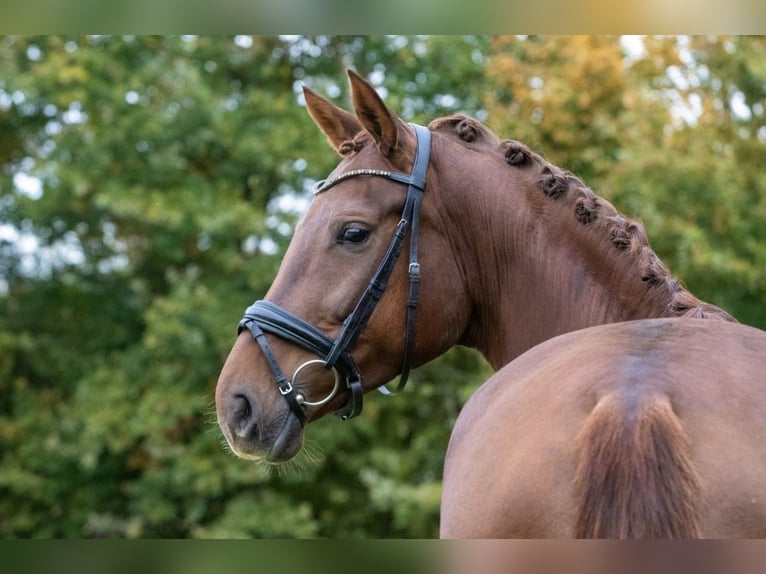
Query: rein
[266,317]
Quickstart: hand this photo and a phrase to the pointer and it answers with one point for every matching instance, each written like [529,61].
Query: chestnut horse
[622,405]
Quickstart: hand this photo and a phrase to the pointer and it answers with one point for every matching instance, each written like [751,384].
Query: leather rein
[266,317]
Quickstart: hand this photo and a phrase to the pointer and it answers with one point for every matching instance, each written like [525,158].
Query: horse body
[617,409]
[514,466]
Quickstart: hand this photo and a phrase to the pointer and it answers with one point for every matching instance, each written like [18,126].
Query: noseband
[266,317]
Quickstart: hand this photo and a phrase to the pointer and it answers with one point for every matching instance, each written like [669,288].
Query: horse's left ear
[383,124]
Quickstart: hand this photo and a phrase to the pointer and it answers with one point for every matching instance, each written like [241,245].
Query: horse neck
[542,256]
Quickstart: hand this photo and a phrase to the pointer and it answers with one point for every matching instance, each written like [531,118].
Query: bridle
[266,317]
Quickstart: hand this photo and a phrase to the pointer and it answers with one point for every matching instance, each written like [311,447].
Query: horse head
[345,313]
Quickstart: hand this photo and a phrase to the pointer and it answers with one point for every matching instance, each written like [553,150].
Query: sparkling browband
[325,184]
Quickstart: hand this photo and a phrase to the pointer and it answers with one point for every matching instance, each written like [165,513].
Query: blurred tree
[715,223]
[561,96]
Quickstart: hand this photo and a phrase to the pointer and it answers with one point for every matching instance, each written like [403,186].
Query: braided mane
[625,236]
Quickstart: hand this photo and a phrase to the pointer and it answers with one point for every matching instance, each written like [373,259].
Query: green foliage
[168,168]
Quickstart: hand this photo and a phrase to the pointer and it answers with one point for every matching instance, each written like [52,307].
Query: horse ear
[337,124]
[383,124]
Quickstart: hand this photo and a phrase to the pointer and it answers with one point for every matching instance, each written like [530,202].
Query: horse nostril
[242,406]
[243,420]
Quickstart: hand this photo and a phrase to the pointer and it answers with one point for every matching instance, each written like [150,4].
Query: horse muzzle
[251,434]
[265,422]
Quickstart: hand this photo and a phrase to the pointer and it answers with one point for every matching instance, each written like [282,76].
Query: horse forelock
[401,156]
[625,237]
[355,144]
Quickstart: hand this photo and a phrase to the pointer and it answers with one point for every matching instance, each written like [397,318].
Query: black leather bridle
[266,317]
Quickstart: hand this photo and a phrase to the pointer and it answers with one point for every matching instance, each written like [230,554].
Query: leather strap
[285,387]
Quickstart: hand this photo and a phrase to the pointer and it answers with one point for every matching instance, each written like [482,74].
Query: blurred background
[149,186]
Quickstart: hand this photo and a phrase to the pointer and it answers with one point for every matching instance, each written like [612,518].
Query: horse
[622,406]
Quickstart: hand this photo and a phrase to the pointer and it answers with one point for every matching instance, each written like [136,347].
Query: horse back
[643,429]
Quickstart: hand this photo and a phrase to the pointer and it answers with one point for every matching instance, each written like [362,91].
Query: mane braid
[624,235]
[354,145]
[627,237]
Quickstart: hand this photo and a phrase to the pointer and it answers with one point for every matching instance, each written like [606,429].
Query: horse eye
[355,235]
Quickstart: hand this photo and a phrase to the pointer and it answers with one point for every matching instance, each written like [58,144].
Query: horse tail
[635,477]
